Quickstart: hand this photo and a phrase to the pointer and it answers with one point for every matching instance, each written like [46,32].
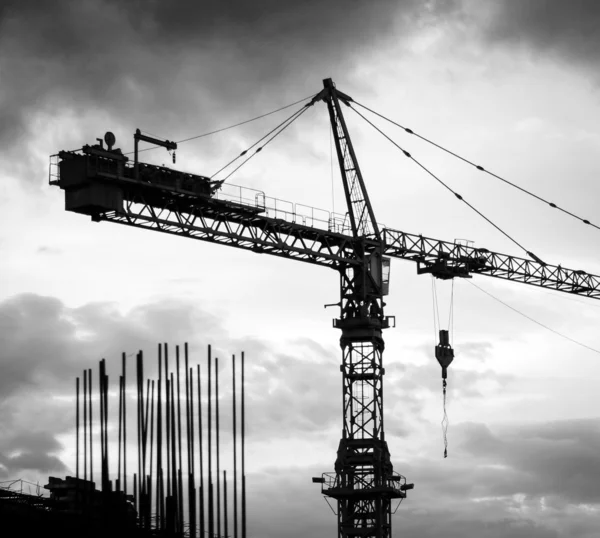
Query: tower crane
[102,183]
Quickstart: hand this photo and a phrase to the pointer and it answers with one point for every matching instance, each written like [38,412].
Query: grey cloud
[32,461]
[30,423]
[46,343]
[177,65]
[567,30]
[289,393]
[554,459]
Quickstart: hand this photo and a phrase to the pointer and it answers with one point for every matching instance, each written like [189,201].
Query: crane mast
[364,483]
[101,183]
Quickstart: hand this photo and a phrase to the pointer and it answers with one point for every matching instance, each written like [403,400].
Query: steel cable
[481,168]
[458,196]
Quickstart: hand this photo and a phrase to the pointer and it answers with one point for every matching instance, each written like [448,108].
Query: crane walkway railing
[255,199]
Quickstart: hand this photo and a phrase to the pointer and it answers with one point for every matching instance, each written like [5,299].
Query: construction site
[178,481]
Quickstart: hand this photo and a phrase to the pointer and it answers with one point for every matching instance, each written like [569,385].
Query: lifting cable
[443,353]
[535,321]
[277,130]
[458,196]
[482,169]
[230,126]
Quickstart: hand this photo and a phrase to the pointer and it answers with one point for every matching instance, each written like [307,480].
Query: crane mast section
[447,260]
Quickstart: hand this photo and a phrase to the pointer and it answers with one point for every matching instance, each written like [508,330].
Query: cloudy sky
[512,86]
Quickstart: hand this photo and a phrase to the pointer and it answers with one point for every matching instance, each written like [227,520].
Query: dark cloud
[568,30]
[32,461]
[177,66]
[46,344]
[553,459]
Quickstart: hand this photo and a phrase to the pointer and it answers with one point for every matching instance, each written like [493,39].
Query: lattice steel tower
[364,483]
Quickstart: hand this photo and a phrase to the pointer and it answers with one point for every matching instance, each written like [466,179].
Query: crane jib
[186,205]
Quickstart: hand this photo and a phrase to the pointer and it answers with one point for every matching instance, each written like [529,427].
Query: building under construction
[174,483]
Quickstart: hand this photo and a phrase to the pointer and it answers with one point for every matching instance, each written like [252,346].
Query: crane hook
[444,352]
[445,355]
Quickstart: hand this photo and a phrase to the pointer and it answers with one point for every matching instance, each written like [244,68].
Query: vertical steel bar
[139,396]
[149,488]
[174,489]
[123,374]
[179,482]
[211,527]
[120,431]
[187,411]
[235,506]
[243,451]
[101,404]
[192,475]
[190,505]
[85,424]
[218,447]
[201,453]
[159,492]
[77,430]
[90,416]
[77,485]
[146,414]
[168,413]
[225,526]
[191,389]
[107,457]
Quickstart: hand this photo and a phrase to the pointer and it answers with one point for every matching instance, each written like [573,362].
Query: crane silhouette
[103,184]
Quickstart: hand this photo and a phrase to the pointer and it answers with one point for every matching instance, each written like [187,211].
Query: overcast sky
[513,86]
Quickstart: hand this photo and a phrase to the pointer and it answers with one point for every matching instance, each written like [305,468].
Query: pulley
[444,352]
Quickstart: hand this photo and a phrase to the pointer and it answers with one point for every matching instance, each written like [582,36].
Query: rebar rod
[85,425]
[201,453]
[218,447]
[235,507]
[149,488]
[168,413]
[159,492]
[139,399]
[174,477]
[225,526]
[243,452]
[192,475]
[77,430]
[120,432]
[90,415]
[124,375]
[179,481]
[211,527]
[101,404]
